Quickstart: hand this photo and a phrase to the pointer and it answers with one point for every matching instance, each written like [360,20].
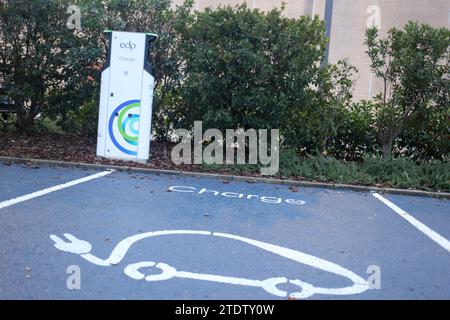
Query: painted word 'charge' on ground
[266,199]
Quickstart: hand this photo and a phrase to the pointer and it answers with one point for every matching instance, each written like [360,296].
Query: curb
[443,195]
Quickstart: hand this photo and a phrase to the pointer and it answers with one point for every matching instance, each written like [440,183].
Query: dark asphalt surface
[351,229]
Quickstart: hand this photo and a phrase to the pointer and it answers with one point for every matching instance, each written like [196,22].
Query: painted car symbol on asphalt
[83,248]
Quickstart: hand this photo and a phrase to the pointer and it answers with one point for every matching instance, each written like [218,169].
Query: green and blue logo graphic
[128,134]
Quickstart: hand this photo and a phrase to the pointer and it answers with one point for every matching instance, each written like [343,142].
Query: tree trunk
[324,144]
[386,148]
[24,121]
[20,121]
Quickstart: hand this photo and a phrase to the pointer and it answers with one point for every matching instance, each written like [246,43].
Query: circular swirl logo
[124,126]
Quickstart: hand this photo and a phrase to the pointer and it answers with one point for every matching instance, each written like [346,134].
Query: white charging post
[126,96]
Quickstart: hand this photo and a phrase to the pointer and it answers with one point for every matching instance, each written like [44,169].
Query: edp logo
[129,45]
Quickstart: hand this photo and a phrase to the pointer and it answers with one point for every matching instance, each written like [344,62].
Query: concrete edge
[411,192]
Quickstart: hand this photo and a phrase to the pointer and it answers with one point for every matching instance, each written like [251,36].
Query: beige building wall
[347,21]
[294,8]
[350,18]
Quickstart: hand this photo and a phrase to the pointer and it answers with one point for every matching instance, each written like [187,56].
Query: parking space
[148,236]
[434,213]
[17,180]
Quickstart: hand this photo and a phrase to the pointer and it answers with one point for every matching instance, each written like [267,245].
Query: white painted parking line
[433,235]
[45,191]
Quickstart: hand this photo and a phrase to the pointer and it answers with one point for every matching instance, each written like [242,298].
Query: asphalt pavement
[73,233]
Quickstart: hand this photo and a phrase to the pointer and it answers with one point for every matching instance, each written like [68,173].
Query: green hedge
[230,67]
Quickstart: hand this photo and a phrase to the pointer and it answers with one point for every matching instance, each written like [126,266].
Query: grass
[397,173]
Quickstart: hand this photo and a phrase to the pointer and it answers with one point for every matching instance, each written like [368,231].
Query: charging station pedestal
[126,96]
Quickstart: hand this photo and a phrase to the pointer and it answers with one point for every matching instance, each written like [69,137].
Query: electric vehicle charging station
[126,97]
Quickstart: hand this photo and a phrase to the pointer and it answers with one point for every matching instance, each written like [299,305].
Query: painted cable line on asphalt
[83,248]
[433,235]
[45,191]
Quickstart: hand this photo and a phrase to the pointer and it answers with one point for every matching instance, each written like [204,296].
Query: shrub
[413,65]
[248,69]
[356,135]
[48,69]
[318,127]
[43,67]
